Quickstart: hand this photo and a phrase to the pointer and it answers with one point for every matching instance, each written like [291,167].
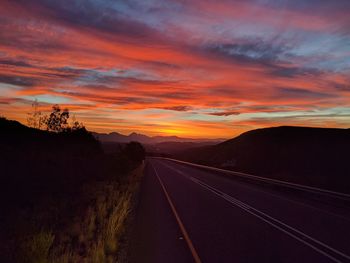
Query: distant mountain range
[120,138]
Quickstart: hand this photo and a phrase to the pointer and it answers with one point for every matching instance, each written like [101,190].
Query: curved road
[186,214]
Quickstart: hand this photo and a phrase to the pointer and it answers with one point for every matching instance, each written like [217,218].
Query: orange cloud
[202,72]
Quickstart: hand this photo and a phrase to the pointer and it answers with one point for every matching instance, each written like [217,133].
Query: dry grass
[36,248]
[93,234]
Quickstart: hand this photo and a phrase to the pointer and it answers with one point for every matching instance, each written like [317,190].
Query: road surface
[186,214]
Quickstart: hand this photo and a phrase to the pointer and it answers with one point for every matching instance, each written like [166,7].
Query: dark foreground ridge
[62,198]
[311,156]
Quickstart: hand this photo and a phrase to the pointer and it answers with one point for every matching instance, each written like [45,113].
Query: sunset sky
[201,68]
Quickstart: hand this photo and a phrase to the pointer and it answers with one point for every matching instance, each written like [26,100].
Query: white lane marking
[249,209]
[275,181]
[277,196]
[188,240]
[271,221]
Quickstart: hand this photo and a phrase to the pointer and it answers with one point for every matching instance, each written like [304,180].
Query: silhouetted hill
[18,139]
[56,186]
[312,156]
[120,138]
[35,161]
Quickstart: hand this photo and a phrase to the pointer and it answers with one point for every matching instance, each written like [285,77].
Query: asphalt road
[186,214]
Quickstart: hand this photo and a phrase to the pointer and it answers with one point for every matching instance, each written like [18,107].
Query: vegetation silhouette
[57,178]
[35,118]
[135,151]
[57,121]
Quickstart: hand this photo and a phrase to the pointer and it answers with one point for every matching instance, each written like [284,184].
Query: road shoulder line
[305,188]
[181,225]
[292,232]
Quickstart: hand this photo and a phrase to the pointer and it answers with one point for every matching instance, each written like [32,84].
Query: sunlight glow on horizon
[204,69]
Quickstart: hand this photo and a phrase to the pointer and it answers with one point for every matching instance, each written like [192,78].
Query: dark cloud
[90,15]
[151,82]
[57,74]
[18,80]
[121,78]
[291,72]
[298,93]
[177,95]
[178,108]
[342,87]
[38,74]
[251,50]
[16,36]
[99,88]
[228,91]
[9,101]
[269,108]
[311,5]
[110,99]
[74,71]
[137,100]
[224,113]
[292,119]
[160,64]
[14,62]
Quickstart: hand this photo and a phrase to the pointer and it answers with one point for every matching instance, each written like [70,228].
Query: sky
[200,68]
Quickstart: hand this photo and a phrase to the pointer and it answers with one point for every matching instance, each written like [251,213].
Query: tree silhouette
[35,118]
[135,151]
[57,121]
[76,125]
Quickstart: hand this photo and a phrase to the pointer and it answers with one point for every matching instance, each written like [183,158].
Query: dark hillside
[61,194]
[35,161]
[312,156]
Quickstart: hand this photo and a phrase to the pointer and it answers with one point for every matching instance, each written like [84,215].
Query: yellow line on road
[182,227]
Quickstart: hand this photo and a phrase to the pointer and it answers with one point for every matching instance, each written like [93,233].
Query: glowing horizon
[200,69]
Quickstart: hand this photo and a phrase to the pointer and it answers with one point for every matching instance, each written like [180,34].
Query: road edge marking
[311,189]
[181,225]
[287,229]
[272,221]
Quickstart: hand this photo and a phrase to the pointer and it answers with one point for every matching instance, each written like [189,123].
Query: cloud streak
[217,65]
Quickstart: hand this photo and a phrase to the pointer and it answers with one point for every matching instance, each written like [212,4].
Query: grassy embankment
[62,198]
